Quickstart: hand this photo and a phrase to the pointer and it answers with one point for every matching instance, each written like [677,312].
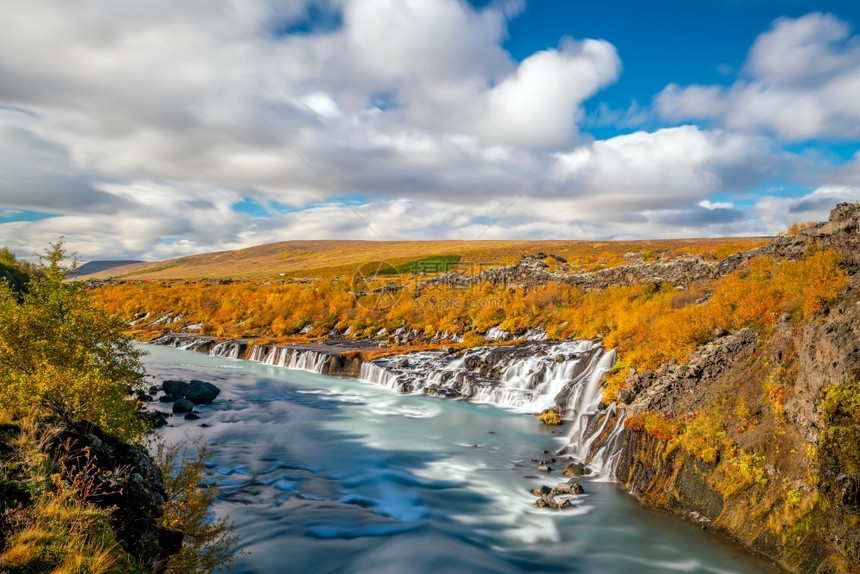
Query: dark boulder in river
[198,392]
[201,392]
[177,388]
[183,406]
[153,419]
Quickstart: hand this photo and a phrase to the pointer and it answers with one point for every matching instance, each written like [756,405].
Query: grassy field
[332,258]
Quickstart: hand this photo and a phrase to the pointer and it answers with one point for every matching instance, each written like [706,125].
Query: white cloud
[536,106]
[802,81]
[775,214]
[138,126]
[711,205]
[661,170]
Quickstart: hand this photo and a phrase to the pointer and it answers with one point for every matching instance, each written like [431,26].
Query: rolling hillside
[329,258]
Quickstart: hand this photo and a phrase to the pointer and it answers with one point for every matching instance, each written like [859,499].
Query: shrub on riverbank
[61,355]
[78,492]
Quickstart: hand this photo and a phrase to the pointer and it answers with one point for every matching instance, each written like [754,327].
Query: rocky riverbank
[757,433]
[58,473]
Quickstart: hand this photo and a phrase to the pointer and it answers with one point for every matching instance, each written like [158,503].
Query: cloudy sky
[152,129]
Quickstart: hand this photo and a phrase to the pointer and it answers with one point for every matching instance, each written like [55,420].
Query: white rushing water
[291,358]
[527,378]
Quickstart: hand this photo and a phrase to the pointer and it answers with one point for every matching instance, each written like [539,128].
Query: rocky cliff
[758,433]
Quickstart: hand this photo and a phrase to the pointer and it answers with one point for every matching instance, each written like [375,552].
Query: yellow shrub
[550,417]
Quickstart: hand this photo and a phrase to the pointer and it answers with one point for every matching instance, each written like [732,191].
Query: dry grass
[327,259]
[52,529]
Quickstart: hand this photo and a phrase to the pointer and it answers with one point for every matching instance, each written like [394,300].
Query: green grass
[432,264]
[149,270]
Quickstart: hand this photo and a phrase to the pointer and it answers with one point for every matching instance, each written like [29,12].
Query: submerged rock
[196,391]
[541,490]
[183,406]
[574,470]
[153,419]
[177,388]
[201,392]
[570,487]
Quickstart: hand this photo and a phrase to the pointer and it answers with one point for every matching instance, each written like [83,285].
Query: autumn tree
[62,355]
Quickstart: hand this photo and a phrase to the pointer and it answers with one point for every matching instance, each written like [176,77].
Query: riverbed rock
[574,469]
[570,487]
[182,406]
[201,392]
[173,387]
[153,419]
[544,468]
[168,398]
[546,501]
[541,490]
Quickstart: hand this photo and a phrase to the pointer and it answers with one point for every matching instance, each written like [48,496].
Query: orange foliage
[646,324]
[660,425]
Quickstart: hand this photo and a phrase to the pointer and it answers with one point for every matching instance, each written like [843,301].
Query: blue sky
[159,129]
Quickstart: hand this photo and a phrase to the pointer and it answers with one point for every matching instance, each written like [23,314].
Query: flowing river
[333,474]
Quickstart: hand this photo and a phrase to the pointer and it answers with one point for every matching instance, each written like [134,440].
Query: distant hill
[330,258]
[92,267]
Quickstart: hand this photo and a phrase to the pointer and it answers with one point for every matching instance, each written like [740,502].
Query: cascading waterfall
[590,423]
[227,349]
[185,342]
[529,378]
[291,357]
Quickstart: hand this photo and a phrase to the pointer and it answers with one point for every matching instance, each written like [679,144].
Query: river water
[332,474]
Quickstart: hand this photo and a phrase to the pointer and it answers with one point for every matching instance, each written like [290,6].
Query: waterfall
[313,360]
[228,349]
[185,342]
[529,378]
[292,357]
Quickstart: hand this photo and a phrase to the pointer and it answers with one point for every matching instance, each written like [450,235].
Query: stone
[182,406]
[192,417]
[201,392]
[548,501]
[153,419]
[574,469]
[172,387]
[574,487]
[125,481]
[541,490]
[544,468]
[168,398]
